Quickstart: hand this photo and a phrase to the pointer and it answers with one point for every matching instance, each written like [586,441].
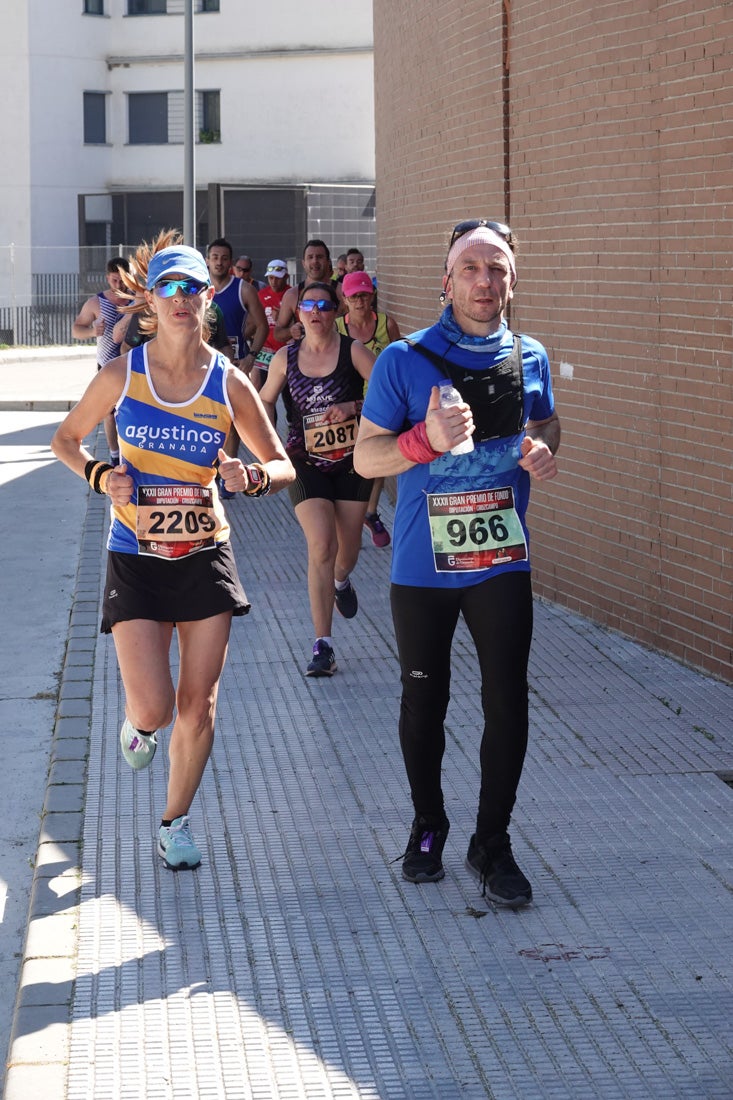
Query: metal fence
[43,289]
[37,326]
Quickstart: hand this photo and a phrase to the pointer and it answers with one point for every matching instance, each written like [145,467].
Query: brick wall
[603,134]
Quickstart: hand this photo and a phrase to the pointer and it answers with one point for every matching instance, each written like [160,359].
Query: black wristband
[101,469]
[93,471]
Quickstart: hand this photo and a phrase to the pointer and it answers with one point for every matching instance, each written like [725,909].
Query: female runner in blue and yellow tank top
[170,562]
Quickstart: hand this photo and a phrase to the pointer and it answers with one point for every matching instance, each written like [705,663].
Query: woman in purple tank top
[321,378]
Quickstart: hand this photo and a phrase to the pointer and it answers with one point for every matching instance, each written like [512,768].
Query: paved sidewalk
[296,962]
[45,379]
[43,512]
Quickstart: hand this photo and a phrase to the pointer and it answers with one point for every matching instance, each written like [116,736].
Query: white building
[93,131]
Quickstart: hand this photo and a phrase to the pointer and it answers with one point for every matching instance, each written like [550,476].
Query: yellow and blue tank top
[170,450]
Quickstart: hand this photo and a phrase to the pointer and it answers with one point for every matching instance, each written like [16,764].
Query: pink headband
[482,235]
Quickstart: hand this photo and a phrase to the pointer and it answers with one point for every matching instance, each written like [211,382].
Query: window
[147,116]
[95,118]
[166,7]
[209,119]
[146,7]
[159,118]
[94,7]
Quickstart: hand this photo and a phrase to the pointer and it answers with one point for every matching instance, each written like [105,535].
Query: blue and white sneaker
[176,846]
[138,748]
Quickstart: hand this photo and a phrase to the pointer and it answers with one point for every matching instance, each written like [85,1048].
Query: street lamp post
[189,137]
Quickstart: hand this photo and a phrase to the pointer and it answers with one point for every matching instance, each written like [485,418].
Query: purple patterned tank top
[327,446]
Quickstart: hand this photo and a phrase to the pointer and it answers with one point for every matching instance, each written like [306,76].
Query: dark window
[138,215]
[146,7]
[94,7]
[95,121]
[97,233]
[148,118]
[209,5]
[210,128]
[273,222]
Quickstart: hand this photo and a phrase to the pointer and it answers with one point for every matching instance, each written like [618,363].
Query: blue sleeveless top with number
[170,446]
[230,304]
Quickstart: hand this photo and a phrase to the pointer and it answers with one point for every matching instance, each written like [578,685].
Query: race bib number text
[174,521]
[331,442]
[475,530]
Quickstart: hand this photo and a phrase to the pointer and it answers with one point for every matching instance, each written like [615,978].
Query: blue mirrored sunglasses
[167,288]
[324,305]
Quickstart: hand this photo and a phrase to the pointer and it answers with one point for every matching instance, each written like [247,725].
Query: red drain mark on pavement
[560,952]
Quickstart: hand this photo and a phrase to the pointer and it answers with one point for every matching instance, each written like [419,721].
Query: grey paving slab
[297,962]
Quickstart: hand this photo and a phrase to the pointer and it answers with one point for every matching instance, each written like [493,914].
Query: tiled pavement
[296,963]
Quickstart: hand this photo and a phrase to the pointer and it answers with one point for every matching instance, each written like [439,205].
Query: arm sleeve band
[414,444]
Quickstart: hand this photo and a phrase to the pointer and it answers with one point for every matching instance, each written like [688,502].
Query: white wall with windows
[93,106]
[15,176]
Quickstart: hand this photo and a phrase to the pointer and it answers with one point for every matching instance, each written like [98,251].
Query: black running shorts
[342,483]
[178,591]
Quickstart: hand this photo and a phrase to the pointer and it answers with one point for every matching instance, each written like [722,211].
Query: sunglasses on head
[167,288]
[475,223]
[324,305]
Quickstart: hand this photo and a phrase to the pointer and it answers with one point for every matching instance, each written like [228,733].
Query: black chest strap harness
[495,394]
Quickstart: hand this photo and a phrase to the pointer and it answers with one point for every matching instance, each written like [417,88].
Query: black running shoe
[422,860]
[324,660]
[493,864]
[346,601]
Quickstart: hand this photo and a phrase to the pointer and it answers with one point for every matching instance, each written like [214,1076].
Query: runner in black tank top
[325,374]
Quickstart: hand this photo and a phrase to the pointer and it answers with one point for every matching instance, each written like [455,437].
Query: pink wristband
[414,444]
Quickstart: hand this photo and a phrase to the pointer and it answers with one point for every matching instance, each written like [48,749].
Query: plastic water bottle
[450,396]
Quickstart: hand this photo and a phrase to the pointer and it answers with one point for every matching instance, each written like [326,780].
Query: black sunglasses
[475,223]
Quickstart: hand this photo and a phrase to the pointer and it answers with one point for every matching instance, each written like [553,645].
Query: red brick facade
[604,134]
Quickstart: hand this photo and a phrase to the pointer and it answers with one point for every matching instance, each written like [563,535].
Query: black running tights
[498,613]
